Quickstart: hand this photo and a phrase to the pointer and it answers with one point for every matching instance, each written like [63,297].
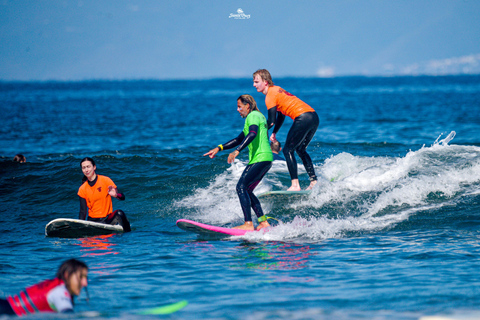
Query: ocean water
[391,231]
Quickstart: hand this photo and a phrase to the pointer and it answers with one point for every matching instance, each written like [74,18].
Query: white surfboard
[76,228]
[284,193]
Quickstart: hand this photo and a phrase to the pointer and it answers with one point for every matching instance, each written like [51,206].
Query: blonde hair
[248,99]
[264,75]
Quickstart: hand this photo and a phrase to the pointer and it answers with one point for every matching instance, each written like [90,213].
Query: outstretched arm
[229,145]
[252,133]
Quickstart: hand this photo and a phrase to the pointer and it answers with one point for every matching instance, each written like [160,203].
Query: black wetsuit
[251,176]
[6,308]
[298,138]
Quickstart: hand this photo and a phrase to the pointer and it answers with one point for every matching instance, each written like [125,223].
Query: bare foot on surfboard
[295,186]
[263,224]
[292,188]
[248,225]
[313,183]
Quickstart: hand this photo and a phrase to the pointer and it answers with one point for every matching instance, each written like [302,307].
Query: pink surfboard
[206,229]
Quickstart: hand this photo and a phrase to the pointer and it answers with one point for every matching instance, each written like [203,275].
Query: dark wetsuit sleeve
[279,122]
[252,133]
[275,118]
[234,142]
[120,195]
[6,308]
[83,209]
[272,117]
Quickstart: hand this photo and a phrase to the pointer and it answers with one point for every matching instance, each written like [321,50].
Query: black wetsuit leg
[5,308]
[298,138]
[251,177]
[120,215]
[116,217]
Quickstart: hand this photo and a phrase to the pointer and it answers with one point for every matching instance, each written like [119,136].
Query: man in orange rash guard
[55,295]
[281,103]
[96,194]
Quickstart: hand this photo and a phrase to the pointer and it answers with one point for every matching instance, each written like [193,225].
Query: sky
[201,39]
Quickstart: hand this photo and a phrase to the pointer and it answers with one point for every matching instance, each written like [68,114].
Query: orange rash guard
[286,103]
[99,202]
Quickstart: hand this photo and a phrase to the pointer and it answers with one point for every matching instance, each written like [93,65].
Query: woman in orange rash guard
[281,103]
[96,194]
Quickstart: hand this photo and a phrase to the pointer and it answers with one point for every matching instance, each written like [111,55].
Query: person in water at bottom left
[255,136]
[55,295]
[96,194]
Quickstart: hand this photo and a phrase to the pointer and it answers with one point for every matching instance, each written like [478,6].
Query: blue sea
[391,231]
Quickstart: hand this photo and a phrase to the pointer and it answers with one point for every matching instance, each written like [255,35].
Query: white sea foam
[354,194]
[218,203]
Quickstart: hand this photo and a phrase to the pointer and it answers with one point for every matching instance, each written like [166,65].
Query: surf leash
[265,218]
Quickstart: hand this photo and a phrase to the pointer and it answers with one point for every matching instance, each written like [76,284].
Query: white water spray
[355,194]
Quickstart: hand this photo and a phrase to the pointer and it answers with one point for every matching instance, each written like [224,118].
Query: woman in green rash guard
[255,136]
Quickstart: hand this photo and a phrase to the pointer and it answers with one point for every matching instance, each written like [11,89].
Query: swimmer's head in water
[74,273]
[20,158]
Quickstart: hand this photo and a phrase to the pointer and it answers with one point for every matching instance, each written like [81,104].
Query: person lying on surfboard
[280,103]
[54,295]
[96,194]
[255,136]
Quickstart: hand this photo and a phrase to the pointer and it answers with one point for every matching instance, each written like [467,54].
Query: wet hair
[264,75]
[276,145]
[83,160]
[70,266]
[20,158]
[248,99]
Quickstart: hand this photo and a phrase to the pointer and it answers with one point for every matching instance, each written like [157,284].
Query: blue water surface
[389,232]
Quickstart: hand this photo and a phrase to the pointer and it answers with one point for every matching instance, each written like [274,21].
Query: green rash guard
[259,149]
